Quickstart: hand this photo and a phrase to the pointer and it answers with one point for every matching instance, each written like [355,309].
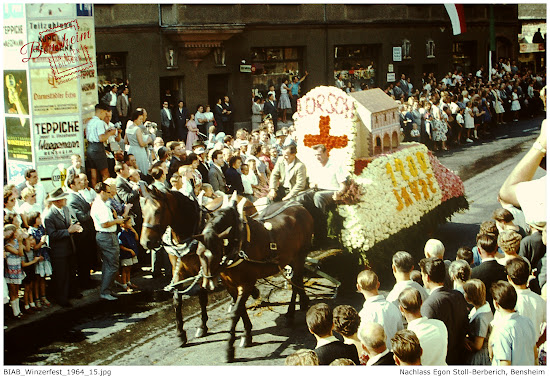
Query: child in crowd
[29,196]
[465,253]
[43,268]
[248,180]
[478,329]
[469,124]
[28,263]
[13,273]
[513,339]
[211,137]
[461,123]
[515,104]
[415,133]
[176,182]
[209,194]
[127,239]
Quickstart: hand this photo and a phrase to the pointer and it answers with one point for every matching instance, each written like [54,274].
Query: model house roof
[375,100]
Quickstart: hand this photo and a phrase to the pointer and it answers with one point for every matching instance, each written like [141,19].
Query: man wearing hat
[279,141]
[60,226]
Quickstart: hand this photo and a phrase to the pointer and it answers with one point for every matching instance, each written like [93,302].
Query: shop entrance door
[218,87]
[171,90]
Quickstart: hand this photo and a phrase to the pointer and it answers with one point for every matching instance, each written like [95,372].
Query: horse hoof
[246,341]
[201,332]
[183,338]
[230,355]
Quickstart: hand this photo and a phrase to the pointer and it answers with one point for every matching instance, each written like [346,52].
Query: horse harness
[245,239]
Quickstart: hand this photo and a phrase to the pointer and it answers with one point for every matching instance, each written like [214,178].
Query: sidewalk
[144,280]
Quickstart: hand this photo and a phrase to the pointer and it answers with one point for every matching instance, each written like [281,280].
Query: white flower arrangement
[398,189]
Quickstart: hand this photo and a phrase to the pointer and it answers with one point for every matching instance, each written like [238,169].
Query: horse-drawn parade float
[397,194]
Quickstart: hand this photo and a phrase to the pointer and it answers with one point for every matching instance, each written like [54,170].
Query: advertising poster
[57,138]
[88,76]
[49,96]
[18,139]
[16,100]
[16,171]
[15,35]
[50,10]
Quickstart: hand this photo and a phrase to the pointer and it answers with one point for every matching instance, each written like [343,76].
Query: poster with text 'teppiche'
[57,138]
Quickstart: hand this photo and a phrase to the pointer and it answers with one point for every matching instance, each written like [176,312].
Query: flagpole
[492,41]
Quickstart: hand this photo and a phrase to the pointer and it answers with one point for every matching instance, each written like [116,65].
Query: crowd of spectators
[486,307]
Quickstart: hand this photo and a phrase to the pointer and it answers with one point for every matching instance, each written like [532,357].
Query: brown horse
[242,249]
[171,208]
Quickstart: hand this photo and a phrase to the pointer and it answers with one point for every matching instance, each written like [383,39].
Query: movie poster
[18,139]
[16,100]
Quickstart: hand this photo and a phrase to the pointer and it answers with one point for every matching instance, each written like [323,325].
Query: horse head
[222,238]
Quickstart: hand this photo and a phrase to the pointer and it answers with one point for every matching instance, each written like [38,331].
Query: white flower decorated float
[401,186]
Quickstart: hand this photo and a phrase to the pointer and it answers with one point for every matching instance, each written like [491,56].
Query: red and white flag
[456,14]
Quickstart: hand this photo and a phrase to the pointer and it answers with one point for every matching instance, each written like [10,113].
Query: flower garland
[398,189]
[451,185]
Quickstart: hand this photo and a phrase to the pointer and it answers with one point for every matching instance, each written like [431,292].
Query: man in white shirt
[330,179]
[97,134]
[107,241]
[432,333]
[373,338]
[376,308]
[529,304]
[402,266]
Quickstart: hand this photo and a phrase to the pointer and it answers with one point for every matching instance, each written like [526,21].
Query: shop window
[464,56]
[357,64]
[271,64]
[111,68]
[406,49]
[430,49]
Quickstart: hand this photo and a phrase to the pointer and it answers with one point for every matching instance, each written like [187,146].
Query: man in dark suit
[86,256]
[270,107]
[216,178]
[534,250]
[329,348]
[218,115]
[373,338]
[60,230]
[204,167]
[449,306]
[181,115]
[489,270]
[227,116]
[178,159]
[166,123]
[127,194]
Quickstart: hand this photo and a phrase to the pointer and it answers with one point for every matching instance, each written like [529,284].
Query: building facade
[198,53]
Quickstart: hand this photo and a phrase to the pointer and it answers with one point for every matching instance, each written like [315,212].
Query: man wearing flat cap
[60,227]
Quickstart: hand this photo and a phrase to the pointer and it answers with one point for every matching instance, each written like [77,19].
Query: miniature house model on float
[354,128]
[379,128]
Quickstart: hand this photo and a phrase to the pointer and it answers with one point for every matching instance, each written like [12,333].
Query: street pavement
[139,329]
